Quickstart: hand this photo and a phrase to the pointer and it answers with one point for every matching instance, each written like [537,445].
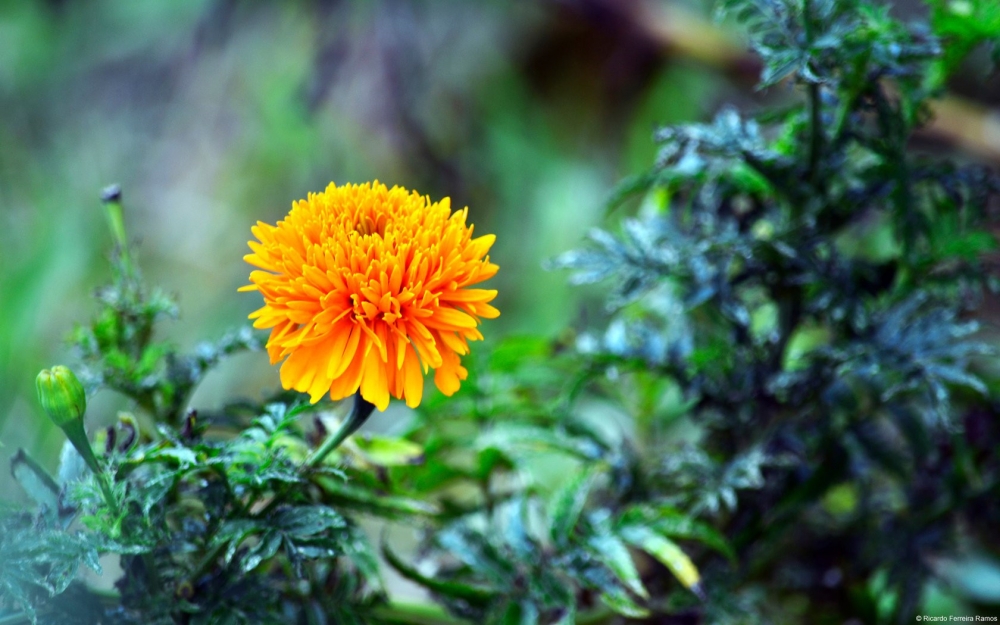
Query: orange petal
[373,381]
[449,319]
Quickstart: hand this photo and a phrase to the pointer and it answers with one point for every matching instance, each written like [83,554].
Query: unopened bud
[61,395]
[112,193]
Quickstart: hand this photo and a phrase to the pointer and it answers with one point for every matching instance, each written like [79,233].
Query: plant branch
[411,613]
[359,414]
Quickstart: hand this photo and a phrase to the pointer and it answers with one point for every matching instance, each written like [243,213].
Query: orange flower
[368,287]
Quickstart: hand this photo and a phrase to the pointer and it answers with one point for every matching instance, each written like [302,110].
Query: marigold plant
[788,413]
[368,287]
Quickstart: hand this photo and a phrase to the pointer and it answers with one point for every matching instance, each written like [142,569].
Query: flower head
[61,395]
[369,287]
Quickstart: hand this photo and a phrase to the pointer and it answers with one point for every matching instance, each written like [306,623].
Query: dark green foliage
[121,353]
[545,513]
[811,283]
[38,561]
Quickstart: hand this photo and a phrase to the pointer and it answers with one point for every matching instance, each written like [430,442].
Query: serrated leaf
[19,597]
[34,556]
[300,522]
[667,552]
[181,455]
[613,553]
[474,549]
[264,550]
[567,504]
[515,534]
[619,601]
[671,522]
[153,491]
[234,532]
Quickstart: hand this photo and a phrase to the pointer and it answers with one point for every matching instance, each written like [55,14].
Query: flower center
[367,225]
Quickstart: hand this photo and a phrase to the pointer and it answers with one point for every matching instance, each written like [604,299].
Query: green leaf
[36,482]
[359,549]
[365,500]
[38,559]
[388,452]
[883,448]
[154,490]
[264,550]
[181,455]
[567,504]
[514,613]
[671,522]
[976,577]
[474,549]
[300,522]
[516,438]
[512,515]
[234,532]
[475,595]
[667,552]
[615,555]
[619,601]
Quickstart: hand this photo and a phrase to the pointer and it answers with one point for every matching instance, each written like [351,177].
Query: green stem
[596,616]
[207,562]
[112,198]
[816,133]
[410,613]
[109,495]
[359,414]
[78,437]
[815,108]
[415,614]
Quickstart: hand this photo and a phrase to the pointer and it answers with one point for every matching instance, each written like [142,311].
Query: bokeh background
[213,114]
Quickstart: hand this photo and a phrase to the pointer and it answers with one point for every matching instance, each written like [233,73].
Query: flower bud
[61,395]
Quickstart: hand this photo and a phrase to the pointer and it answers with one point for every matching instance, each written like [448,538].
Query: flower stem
[112,199]
[78,437]
[359,414]
[415,614]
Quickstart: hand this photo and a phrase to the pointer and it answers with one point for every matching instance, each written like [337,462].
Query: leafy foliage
[811,283]
[788,412]
[38,561]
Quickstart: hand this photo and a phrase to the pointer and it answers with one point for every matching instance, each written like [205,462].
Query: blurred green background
[213,114]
